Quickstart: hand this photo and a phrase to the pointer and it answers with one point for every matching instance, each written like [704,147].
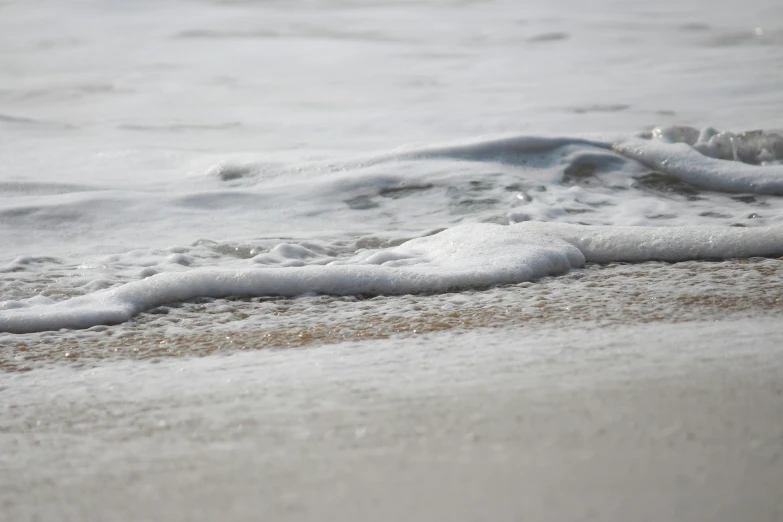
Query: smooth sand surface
[651,422]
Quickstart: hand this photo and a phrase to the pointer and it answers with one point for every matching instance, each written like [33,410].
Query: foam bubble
[466,256]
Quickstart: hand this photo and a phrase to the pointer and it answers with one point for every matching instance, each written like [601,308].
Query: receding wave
[466,256]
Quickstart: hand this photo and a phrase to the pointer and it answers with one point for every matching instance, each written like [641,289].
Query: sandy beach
[675,418]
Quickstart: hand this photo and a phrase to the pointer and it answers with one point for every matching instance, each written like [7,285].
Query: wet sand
[648,410]
[599,295]
[657,422]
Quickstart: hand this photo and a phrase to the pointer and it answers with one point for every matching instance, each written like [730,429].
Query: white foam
[672,244]
[467,256]
[689,164]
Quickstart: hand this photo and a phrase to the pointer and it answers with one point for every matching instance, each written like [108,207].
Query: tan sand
[655,422]
[557,417]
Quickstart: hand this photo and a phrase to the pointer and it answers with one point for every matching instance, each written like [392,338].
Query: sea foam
[690,165]
[461,257]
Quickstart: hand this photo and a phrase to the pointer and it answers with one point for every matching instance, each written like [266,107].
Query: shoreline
[596,296]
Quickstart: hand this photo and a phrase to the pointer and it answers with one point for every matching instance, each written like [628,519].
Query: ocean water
[157,153]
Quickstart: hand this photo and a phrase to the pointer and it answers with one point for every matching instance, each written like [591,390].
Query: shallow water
[179,149]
